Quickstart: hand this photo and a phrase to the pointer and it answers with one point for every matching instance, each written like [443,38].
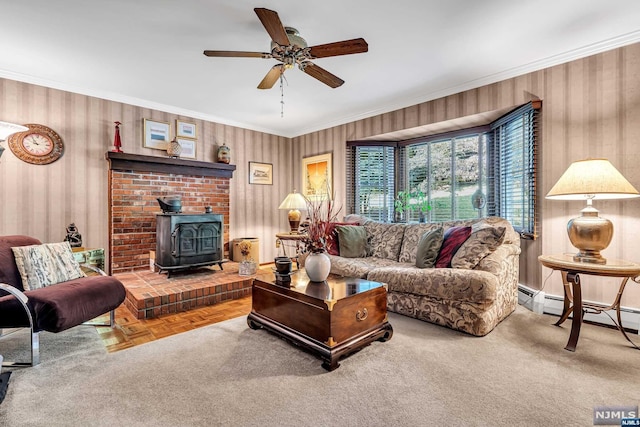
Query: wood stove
[188,240]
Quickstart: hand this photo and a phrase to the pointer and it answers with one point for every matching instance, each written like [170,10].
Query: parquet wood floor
[130,331]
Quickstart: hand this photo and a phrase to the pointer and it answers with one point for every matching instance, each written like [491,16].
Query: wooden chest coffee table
[331,319]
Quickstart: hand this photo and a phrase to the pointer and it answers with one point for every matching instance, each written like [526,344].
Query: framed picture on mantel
[185,129]
[156,134]
[188,148]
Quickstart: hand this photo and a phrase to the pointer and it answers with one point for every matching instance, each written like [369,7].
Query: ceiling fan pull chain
[281,96]
[282,93]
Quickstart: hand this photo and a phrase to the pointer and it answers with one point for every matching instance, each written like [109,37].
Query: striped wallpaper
[40,200]
[590,109]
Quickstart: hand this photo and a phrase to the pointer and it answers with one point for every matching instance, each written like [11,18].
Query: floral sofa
[473,299]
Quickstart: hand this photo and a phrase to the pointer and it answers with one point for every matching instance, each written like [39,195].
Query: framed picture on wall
[260,173]
[317,176]
[156,134]
[185,129]
[188,148]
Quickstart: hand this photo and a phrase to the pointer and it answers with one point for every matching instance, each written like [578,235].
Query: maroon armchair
[53,308]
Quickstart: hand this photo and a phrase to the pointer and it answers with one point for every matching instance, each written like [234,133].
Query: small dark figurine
[117,143]
[73,236]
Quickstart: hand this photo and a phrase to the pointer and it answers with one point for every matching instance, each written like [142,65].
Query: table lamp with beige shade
[591,179]
[295,202]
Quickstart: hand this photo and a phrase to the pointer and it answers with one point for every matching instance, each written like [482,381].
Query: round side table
[571,271]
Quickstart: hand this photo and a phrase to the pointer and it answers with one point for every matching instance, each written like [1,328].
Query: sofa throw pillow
[412,235]
[332,239]
[352,240]
[47,264]
[479,244]
[453,238]
[428,248]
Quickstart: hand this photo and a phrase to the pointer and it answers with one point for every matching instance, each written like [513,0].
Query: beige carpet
[229,375]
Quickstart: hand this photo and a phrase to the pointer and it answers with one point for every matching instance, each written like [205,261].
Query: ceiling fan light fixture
[296,42]
[294,37]
[288,61]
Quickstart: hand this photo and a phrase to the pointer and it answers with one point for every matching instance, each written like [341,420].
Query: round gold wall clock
[40,145]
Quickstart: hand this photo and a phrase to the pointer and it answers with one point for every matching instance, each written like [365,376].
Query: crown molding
[551,61]
[130,100]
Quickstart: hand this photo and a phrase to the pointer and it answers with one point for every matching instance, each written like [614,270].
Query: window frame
[353,189]
[498,204]
[491,166]
[451,137]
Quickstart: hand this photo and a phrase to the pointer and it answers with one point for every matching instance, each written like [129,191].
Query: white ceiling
[149,52]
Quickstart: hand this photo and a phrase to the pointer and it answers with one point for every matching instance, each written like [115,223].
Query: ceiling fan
[288,47]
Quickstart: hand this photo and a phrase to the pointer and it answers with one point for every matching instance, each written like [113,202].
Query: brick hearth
[135,182]
[152,294]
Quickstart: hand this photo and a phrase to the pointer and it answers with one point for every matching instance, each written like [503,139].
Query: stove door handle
[175,248]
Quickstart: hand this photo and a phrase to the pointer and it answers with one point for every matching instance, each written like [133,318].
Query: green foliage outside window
[414,201]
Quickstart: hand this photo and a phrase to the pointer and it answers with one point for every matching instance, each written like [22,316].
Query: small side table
[92,256]
[292,240]
[573,303]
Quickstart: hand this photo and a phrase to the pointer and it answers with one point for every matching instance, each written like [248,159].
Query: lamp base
[294,220]
[590,234]
[592,258]
[294,226]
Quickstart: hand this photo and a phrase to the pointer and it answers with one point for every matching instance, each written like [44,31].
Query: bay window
[469,173]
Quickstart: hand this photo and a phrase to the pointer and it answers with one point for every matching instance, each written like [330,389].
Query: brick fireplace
[135,182]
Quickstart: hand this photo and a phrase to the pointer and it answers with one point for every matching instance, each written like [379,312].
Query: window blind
[370,183]
[512,169]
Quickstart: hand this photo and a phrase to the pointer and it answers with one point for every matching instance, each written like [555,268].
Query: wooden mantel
[139,163]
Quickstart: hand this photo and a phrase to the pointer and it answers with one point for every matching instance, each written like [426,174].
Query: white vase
[317,266]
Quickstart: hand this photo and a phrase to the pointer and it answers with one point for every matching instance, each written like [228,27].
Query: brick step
[152,294]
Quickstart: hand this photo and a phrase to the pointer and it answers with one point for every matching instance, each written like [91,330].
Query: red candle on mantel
[116,141]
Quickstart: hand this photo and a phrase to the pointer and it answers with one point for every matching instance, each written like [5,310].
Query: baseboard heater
[530,298]
[541,302]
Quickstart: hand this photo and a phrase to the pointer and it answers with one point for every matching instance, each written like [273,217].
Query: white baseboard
[541,302]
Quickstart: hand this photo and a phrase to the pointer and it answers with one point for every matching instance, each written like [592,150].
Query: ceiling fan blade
[346,47]
[271,22]
[236,54]
[323,75]
[272,77]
